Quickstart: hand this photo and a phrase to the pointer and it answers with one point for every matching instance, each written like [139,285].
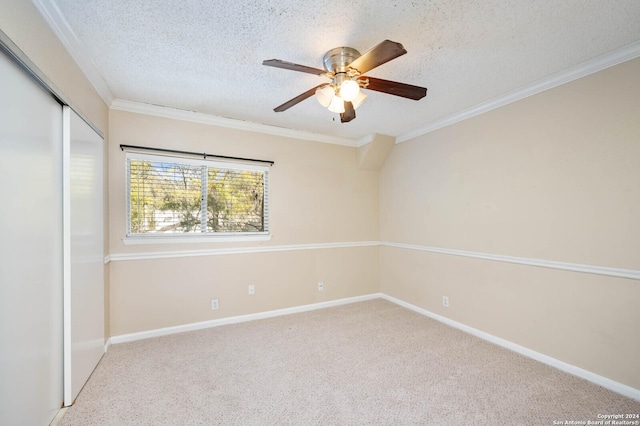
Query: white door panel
[84,280]
[30,250]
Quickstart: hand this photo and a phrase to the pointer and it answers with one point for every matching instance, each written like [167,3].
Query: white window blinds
[171,195]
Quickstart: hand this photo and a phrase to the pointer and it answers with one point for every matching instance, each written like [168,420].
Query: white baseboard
[107,345]
[238,319]
[612,385]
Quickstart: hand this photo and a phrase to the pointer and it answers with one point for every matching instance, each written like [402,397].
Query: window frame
[193,237]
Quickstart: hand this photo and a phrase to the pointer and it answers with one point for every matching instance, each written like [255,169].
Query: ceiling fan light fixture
[324,95]
[337,105]
[349,90]
[358,100]
[347,69]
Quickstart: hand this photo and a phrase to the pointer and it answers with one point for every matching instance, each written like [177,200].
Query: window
[173,196]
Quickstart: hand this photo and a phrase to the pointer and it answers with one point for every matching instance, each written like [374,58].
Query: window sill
[180,239]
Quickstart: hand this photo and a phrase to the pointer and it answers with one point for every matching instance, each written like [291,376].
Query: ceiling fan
[345,67]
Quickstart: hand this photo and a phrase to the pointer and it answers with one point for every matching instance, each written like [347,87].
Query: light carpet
[372,362]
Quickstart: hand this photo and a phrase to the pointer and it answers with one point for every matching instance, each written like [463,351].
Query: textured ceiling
[206,56]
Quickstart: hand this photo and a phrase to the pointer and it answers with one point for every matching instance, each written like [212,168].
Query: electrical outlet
[445,301]
[320,286]
[252,289]
[214,304]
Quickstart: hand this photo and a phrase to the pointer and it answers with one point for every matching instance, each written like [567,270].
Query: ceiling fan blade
[293,67]
[378,55]
[399,89]
[348,114]
[301,97]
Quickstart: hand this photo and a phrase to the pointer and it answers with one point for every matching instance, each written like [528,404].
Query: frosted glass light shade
[337,105]
[324,95]
[358,100]
[349,90]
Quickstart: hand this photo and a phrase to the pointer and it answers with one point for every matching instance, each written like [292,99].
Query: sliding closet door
[84,253]
[30,250]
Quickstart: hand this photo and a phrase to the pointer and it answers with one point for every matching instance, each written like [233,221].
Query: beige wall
[23,24]
[555,176]
[317,194]
[156,293]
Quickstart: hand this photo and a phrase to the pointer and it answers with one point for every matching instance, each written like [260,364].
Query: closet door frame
[15,54]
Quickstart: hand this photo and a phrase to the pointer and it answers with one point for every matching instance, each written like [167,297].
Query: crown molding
[615,57]
[58,23]
[53,16]
[365,140]
[231,123]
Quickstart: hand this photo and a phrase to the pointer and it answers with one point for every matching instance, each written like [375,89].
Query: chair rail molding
[633,274]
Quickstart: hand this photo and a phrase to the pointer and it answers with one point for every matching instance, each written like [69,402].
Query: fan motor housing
[336,60]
